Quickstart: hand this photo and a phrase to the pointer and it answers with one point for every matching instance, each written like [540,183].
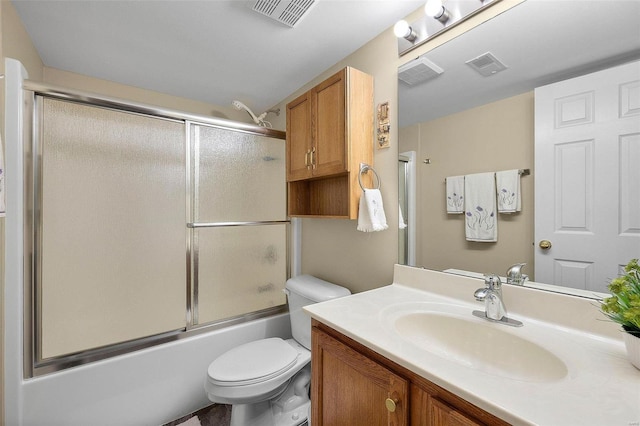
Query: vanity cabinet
[329,133]
[353,385]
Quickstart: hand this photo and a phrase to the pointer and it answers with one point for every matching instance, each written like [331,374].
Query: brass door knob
[391,404]
[545,244]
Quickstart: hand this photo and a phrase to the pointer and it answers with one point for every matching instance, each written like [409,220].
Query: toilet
[267,381]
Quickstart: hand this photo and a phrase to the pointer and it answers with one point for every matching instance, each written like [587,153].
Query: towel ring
[364,168]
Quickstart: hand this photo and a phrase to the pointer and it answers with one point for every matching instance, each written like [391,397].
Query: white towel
[455,194]
[371,212]
[2,199]
[480,207]
[401,223]
[508,186]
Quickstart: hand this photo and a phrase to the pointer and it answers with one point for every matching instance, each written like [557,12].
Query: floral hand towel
[371,215]
[508,185]
[480,207]
[455,194]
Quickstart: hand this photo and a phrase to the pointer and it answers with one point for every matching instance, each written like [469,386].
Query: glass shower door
[240,229]
[112,236]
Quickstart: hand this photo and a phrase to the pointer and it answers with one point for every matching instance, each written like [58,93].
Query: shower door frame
[34,364]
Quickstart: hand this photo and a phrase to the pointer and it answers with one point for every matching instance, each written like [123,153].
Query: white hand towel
[371,212]
[401,223]
[2,199]
[508,186]
[455,194]
[480,207]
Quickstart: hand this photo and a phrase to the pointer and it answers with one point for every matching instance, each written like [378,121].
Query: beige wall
[17,44]
[492,137]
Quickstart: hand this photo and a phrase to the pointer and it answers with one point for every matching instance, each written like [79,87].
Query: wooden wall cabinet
[329,133]
[353,385]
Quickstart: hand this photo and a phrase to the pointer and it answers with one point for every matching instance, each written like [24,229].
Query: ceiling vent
[486,64]
[288,12]
[418,71]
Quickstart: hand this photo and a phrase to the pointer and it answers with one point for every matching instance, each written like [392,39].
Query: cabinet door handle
[313,157]
[306,159]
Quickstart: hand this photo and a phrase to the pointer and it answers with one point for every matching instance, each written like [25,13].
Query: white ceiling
[540,41]
[213,51]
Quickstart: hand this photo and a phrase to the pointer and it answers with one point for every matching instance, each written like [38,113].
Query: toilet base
[252,414]
[291,408]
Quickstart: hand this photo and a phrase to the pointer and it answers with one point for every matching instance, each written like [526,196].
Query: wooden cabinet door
[299,138]
[428,410]
[329,115]
[442,414]
[352,390]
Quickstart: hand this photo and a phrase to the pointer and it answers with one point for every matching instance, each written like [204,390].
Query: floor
[213,415]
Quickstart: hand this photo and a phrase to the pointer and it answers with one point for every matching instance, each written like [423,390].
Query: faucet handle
[516,268]
[515,275]
[492,282]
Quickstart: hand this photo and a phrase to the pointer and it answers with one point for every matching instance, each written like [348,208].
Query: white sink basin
[444,330]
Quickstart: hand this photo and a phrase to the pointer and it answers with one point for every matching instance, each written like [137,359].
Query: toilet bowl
[267,381]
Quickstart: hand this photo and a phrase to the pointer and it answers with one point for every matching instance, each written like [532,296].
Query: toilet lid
[253,362]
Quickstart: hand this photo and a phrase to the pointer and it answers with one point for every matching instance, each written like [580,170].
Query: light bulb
[401,29]
[434,8]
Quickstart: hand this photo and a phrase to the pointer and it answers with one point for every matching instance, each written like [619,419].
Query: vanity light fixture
[436,10]
[440,15]
[402,29]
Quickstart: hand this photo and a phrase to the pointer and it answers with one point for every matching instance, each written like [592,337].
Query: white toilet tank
[304,290]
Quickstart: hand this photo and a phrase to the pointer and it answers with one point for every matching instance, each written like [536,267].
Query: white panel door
[587,177]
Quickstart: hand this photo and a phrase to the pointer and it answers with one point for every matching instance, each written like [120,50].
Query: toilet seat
[241,365]
[253,362]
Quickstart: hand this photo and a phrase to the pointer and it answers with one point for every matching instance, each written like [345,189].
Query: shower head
[240,106]
[259,120]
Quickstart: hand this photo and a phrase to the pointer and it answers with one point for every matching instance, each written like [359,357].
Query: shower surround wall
[148,386]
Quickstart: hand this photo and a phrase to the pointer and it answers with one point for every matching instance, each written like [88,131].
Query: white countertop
[601,387]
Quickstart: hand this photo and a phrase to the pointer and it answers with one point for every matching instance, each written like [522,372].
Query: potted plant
[623,307]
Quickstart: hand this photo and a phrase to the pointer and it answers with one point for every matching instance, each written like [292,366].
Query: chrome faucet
[491,294]
[515,275]
[495,309]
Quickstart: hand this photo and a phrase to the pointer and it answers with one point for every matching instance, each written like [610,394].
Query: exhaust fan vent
[486,64]
[418,71]
[288,12]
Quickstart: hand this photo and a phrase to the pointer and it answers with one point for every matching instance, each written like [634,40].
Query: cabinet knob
[391,404]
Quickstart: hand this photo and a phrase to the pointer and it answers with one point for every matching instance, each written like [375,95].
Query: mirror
[463,123]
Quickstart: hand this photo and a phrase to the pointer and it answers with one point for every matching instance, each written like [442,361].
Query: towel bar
[364,168]
[521,172]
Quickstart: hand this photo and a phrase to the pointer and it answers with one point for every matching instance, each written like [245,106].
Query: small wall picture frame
[383,126]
